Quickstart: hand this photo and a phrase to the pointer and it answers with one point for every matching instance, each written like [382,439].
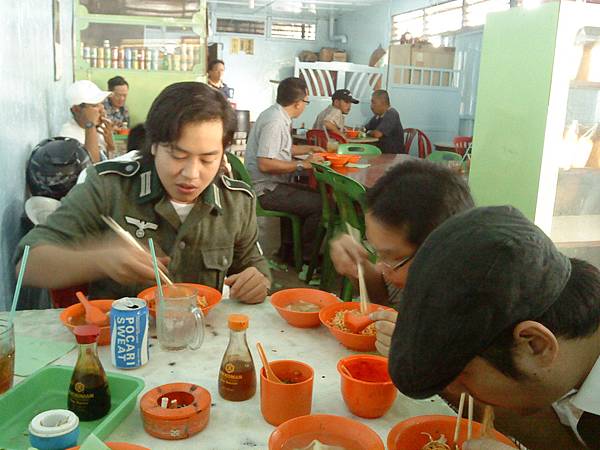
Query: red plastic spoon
[93,314]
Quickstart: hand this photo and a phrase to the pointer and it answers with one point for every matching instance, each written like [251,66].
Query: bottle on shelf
[237,377]
[107,53]
[89,394]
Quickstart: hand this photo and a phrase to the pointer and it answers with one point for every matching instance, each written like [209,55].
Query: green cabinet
[150,48]
[536,143]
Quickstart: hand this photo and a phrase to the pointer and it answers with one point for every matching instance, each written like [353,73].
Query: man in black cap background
[492,308]
[332,117]
[385,124]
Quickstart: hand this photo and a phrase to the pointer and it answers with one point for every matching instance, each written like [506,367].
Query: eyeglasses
[306,101]
[398,265]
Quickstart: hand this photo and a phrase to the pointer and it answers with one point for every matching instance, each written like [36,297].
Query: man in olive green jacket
[172,191]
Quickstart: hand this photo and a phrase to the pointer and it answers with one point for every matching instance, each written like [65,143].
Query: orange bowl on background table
[118,446]
[74,315]
[408,435]
[280,402]
[336,159]
[353,341]
[369,393]
[211,294]
[353,158]
[283,298]
[352,134]
[328,429]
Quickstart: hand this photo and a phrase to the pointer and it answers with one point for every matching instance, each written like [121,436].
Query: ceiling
[319,8]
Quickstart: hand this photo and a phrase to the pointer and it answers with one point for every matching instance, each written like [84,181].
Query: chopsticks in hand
[488,419]
[362,285]
[113,225]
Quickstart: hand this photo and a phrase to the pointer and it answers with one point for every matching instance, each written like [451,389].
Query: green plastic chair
[359,149]
[441,156]
[329,219]
[241,173]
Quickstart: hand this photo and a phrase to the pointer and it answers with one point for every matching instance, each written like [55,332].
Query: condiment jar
[237,377]
[89,395]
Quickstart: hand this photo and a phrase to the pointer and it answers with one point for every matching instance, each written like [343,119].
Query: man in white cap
[88,123]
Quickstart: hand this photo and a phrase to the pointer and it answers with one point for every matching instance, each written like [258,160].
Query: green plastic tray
[47,389]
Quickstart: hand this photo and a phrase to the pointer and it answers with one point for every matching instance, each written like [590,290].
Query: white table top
[233,425]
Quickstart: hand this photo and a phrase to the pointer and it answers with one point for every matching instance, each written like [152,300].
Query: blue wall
[33,108]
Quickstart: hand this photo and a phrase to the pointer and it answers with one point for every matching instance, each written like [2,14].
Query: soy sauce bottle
[89,395]
[237,377]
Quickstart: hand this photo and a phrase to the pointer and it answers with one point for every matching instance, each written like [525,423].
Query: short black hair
[213,63]
[417,196]
[117,81]
[291,90]
[136,137]
[382,93]
[183,103]
[574,315]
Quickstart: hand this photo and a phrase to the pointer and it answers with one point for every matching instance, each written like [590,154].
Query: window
[294,30]
[477,10]
[443,18]
[411,22]
[240,26]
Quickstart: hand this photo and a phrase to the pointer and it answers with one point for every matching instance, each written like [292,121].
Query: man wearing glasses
[270,160]
[403,208]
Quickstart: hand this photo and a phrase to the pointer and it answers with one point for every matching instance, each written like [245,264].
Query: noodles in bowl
[338,321]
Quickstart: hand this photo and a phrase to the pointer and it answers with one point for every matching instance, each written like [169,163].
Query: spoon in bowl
[93,314]
[268,371]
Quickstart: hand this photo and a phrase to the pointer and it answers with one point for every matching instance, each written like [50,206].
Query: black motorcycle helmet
[54,166]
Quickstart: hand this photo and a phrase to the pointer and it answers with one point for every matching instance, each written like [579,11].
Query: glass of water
[179,321]
[7,355]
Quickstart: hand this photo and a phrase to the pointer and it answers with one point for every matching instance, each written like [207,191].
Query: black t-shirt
[389,124]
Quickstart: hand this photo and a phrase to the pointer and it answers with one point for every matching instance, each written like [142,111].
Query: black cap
[476,275]
[344,94]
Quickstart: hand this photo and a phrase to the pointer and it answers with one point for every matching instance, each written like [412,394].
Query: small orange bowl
[336,160]
[408,434]
[352,134]
[328,429]
[282,299]
[211,295]
[74,316]
[353,341]
[353,158]
[118,446]
[369,392]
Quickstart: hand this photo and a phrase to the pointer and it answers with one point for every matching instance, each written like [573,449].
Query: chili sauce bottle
[237,377]
[89,395]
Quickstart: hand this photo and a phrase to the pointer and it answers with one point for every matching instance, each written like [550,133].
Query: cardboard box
[340,56]
[421,55]
[400,56]
[326,54]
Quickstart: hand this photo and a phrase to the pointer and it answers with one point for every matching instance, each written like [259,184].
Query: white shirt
[72,129]
[571,407]
[182,209]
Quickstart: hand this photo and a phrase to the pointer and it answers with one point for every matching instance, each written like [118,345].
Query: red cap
[86,334]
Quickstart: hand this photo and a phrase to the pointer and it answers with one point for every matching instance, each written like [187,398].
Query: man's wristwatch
[299,168]
[89,125]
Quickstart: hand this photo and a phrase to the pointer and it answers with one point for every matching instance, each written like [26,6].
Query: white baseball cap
[84,91]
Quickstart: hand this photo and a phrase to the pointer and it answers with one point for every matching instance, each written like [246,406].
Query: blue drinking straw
[13,309]
[155,263]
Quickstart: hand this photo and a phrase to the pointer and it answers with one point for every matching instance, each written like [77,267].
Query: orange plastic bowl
[211,294]
[352,134]
[336,159]
[300,319]
[353,341]
[74,315]
[329,429]
[408,435]
[118,446]
[369,393]
[353,158]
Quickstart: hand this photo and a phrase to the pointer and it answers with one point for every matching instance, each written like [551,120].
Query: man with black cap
[492,308]
[385,124]
[332,117]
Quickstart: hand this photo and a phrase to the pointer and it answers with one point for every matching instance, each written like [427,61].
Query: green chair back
[350,200]
[322,174]
[359,149]
[241,173]
[441,156]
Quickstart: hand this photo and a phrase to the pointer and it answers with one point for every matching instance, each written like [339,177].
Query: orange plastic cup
[280,402]
[369,393]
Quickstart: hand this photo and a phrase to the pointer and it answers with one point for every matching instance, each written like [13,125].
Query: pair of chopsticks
[113,225]
[487,422]
[362,285]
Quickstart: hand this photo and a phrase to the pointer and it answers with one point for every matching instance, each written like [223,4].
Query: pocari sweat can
[129,333]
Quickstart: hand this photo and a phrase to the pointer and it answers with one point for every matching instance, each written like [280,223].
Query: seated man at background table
[332,117]
[403,207]
[171,191]
[114,104]
[492,308]
[385,125]
[88,123]
[269,161]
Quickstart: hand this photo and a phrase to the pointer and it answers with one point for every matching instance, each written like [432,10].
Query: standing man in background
[88,123]
[114,104]
[385,125]
[216,69]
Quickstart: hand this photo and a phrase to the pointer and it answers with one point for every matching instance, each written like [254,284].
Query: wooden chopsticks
[487,424]
[113,225]
[362,285]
